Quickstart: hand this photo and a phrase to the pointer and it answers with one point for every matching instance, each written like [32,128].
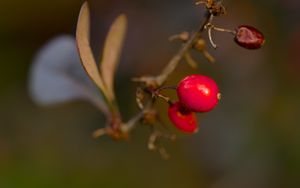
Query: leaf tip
[123,17]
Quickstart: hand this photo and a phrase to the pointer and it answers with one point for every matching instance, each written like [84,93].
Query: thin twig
[127,127]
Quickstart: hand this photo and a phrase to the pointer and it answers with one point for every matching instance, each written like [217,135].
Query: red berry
[198,93]
[183,118]
[249,37]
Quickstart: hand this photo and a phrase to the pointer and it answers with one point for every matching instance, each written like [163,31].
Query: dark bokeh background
[252,139]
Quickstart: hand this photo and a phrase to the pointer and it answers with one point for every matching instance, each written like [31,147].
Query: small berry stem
[167,99]
[210,38]
[224,30]
[166,87]
[209,26]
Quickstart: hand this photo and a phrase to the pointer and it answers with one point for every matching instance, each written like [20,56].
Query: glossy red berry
[249,37]
[198,93]
[183,118]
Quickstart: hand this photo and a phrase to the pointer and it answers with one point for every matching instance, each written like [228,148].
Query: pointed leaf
[56,76]
[112,51]
[85,51]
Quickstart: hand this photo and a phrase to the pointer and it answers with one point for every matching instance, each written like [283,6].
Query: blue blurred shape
[57,76]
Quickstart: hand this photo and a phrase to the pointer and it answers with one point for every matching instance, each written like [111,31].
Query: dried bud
[249,37]
[150,117]
[184,36]
[200,45]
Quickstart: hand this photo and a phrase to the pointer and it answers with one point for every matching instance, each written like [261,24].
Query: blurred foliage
[252,139]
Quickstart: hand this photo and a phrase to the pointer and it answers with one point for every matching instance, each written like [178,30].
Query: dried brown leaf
[112,51]
[84,47]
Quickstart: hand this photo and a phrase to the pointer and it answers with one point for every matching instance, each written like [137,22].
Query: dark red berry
[198,93]
[249,37]
[183,118]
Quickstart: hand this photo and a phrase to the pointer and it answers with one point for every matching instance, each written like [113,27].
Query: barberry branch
[159,80]
[182,112]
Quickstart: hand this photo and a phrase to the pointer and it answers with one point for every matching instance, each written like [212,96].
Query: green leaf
[112,51]
[84,47]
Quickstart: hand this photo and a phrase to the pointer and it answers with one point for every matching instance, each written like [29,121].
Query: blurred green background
[252,138]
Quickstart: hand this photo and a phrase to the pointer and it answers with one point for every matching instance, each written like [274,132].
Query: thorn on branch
[183,37]
[99,133]
[208,56]
[190,60]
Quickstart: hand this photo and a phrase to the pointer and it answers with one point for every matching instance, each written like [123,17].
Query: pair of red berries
[196,93]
